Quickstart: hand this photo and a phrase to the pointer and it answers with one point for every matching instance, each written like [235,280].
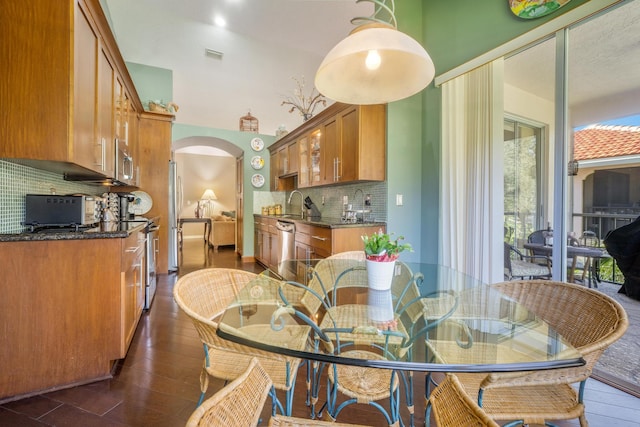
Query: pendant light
[376,63]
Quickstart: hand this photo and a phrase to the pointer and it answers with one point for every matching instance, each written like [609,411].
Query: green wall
[152,83]
[454,32]
[243,141]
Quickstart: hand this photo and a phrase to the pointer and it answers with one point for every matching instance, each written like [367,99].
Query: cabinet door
[316,156]
[86,148]
[303,162]
[131,287]
[292,158]
[239,204]
[106,97]
[331,150]
[274,164]
[349,155]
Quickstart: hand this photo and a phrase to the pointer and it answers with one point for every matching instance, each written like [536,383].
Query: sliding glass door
[522,180]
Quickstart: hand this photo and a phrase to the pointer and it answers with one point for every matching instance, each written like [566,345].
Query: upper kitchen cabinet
[345,143]
[127,164]
[60,87]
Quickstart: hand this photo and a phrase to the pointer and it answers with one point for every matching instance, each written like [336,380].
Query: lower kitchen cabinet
[266,241]
[314,242]
[132,287]
[69,309]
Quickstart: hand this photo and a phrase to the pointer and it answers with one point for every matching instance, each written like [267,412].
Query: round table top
[432,318]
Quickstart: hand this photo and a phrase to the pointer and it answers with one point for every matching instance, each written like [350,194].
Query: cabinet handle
[319,238]
[336,167]
[103,148]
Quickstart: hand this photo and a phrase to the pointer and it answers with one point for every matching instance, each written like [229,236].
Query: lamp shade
[375,64]
[208,195]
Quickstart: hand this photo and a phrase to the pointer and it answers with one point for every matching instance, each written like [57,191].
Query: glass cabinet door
[315,154]
[303,161]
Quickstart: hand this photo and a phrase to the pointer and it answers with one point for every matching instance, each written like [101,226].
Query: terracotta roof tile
[598,142]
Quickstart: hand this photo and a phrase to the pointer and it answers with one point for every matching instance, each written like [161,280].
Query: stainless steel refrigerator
[175,200]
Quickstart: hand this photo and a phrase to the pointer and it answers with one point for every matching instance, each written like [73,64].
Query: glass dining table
[431,319]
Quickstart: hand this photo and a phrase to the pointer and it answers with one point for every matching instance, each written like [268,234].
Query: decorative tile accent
[17,180]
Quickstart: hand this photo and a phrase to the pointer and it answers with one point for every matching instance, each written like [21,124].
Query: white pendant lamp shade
[375,64]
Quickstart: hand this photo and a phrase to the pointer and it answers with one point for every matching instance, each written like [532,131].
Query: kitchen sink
[292,216]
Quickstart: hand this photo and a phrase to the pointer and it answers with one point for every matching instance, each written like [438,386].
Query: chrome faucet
[301,201]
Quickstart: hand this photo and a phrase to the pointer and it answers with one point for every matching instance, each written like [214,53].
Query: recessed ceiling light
[220,21]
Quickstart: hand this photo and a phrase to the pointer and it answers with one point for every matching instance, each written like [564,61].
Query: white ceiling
[264,45]
[267,42]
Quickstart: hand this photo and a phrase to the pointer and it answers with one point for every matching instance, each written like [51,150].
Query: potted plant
[381,252]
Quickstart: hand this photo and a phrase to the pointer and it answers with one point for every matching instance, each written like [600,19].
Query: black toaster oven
[51,209]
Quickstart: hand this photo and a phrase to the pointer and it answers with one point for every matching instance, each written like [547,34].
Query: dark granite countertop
[104,230]
[324,222]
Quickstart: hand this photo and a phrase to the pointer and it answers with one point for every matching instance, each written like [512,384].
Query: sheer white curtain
[471,195]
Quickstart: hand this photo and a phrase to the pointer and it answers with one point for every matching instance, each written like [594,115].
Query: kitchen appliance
[54,210]
[124,161]
[286,249]
[123,201]
[153,249]
[175,200]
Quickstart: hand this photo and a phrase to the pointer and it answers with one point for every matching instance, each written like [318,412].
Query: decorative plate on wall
[257,162]
[141,204]
[530,9]
[257,180]
[257,144]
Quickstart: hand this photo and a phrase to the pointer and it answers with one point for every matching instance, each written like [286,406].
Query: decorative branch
[305,105]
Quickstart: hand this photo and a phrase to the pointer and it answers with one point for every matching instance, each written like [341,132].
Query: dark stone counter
[105,230]
[323,222]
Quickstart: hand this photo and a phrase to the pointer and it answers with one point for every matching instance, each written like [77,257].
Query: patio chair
[204,296]
[525,266]
[240,403]
[588,319]
[452,406]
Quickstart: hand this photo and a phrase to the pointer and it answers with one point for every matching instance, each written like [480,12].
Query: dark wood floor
[158,382]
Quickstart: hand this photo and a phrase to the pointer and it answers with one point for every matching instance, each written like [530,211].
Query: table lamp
[208,197]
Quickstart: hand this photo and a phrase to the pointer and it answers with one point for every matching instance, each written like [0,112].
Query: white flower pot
[380,274]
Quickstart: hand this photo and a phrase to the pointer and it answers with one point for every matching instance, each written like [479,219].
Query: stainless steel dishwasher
[286,249]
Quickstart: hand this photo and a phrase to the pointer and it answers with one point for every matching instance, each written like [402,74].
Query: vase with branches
[305,105]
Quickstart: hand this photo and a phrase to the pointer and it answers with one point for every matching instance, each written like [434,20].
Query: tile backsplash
[333,196]
[17,180]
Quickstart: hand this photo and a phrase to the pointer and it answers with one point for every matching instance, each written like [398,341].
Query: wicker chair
[452,407]
[361,385]
[357,255]
[588,319]
[204,295]
[240,403]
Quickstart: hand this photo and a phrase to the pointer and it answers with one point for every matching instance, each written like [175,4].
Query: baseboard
[615,382]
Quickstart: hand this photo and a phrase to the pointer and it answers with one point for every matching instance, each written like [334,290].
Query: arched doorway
[200,163]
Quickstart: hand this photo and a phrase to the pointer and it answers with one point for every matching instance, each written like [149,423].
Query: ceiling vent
[213,53]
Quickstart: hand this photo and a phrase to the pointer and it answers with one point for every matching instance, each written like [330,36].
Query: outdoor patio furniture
[520,266]
[588,319]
